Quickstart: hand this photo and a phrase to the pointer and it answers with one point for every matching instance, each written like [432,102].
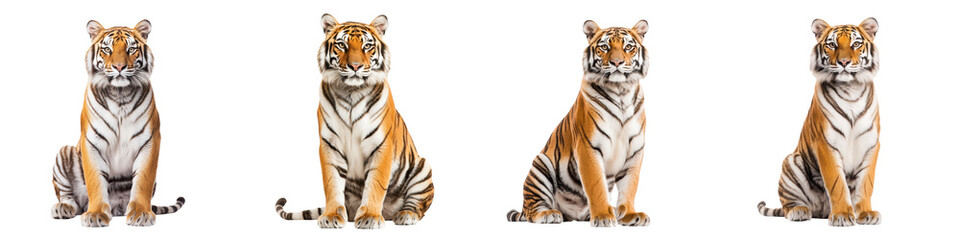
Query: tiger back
[112,170]
[830,174]
[599,143]
[371,169]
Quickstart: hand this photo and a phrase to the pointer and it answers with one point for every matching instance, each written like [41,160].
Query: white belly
[855,145]
[851,132]
[355,142]
[624,142]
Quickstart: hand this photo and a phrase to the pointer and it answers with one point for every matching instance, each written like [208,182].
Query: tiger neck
[849,91]
[620,100]
[351,104]
[120,99]
[849,100]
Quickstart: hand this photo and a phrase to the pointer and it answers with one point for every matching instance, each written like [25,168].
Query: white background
[481,86]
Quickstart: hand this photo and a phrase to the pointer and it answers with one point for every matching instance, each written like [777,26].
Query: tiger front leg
[627,189]
[834,179]
[139,212]
[370,213]
[861,199]
[334,213]
[98,208]
[594,185]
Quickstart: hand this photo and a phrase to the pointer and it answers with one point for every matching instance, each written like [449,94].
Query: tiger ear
[328,23]
[871,26]
[94,28]
[819,26]
[590,28]
[144,27]
[380,23]
[641,27]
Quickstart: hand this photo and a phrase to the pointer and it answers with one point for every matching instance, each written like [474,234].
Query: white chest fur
[119,127]
[620,134]
[351,127]
[851,110]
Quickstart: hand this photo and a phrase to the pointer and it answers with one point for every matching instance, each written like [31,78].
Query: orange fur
[98,204]
[599,143]
[371,170]
[833,176]
[591,167]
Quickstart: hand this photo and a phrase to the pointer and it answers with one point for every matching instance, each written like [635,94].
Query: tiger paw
[635,219]
[551,216]
[868,218]
[333,218]
[799,214]
[95,219]
[841,219]
[603,219]
[406,217]
[137,217]
[63,211]
[368,219]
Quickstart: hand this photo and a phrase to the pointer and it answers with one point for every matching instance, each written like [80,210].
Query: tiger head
[845,53]
[353,54]
[615,54]
[119,56]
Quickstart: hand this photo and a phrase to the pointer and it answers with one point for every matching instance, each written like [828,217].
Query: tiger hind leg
[68,184]
[797,213]
[539,191]
[801,191]
[418,184]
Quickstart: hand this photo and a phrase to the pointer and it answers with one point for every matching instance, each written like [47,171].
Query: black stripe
[372,153]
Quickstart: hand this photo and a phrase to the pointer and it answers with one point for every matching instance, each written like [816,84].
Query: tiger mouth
[355,78]
[849,70]
[124,73]
[620,76]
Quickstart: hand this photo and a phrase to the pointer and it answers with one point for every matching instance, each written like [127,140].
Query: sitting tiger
[371,170]
[599,143]
[830,174]
[112,170]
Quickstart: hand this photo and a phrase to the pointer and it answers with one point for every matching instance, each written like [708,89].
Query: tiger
[599,143]
[830,174]
[371,169]
[112,170]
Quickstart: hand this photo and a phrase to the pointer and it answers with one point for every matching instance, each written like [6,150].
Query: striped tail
[310,214]
[515,216]
[769,212]
[169,209]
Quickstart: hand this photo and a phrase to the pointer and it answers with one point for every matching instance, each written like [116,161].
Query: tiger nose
[119,66]
[616,62]
[843,62]
[356,66]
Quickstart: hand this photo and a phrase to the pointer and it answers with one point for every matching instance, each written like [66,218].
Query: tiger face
[353,54]
[119,56]
[845,53]
[615,54]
